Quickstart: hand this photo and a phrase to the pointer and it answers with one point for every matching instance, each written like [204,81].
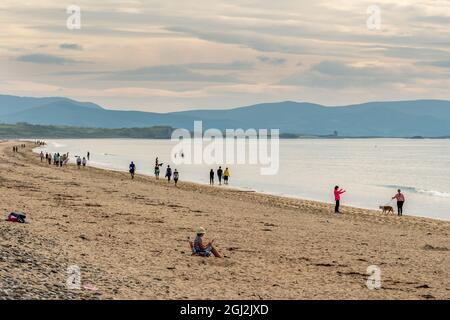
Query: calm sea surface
[371,170]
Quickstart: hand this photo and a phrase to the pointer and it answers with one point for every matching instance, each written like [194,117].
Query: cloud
[70,46]
[40,58]
[272,61]
[439,64]
[235,65]
[338,74]
[167,73]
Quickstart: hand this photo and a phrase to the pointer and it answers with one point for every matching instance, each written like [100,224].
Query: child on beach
[175,177]
[199,248]
[78,162]
[337,198]
[132,169]
[226,175]
[84,162]
[168,173]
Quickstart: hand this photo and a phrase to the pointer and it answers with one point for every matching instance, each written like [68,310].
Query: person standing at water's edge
[157,172]
[226,175]
[132,169]
[168,173]
[219,175]
[337,198]
[400,201]
[176,175]
[88,155]
[211,177]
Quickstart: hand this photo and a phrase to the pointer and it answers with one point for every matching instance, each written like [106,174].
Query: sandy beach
[129,239]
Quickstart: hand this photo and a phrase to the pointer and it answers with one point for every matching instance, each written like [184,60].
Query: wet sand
[129,239]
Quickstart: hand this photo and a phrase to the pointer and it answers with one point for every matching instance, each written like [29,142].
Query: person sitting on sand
[226,175]
[176,175]
[199,248]
[132,169]
[168,173]
[400,201]
[337,198]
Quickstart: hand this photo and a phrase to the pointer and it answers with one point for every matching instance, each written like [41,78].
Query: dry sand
[129,239]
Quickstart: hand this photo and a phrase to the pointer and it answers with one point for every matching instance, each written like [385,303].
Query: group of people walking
[225,175]
[59,160]
[400,197]
[16,148]
[175,175]
[169,173]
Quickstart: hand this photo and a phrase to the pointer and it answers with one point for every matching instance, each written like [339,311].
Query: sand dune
[129,239]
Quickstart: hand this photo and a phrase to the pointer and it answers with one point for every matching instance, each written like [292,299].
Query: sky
[175,55]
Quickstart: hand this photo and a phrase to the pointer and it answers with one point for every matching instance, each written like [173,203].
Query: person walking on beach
[226,175]
[199,248]
[84,162]
[88,155]
[168,173]
[175,177]
[219,175]
[337,198]
[132,169]
[42,156]
[400,201]
[49,158]
[211,177]
[78,162]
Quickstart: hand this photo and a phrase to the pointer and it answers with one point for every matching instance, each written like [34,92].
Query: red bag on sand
[11,218]
[16,217]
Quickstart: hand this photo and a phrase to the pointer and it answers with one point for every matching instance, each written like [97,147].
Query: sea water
[371,170]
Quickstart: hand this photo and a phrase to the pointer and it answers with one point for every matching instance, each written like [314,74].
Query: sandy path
[129,239]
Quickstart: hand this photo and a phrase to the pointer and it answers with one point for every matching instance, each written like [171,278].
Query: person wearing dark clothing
[168,173]
[211,177]
[219,175]
[132,169]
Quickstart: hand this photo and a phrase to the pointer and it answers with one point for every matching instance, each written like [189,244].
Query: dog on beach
[387,209]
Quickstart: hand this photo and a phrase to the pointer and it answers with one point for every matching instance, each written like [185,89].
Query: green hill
[29,131]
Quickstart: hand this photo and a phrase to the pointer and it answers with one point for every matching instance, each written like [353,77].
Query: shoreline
[261,193]
[129,239]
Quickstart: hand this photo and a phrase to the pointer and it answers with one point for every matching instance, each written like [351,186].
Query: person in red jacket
[337,198]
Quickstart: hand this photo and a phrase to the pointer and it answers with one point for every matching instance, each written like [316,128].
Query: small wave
[433,193]
[58,145]
[103,164]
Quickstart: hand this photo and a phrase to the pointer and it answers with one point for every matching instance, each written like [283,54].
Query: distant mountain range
[429,118]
